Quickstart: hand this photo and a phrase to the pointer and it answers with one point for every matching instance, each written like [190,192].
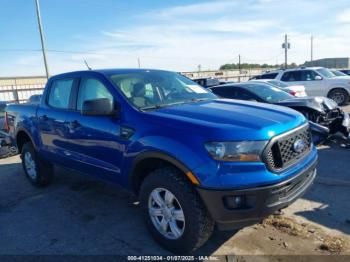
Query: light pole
[286,46]
[42,37]
[312,48]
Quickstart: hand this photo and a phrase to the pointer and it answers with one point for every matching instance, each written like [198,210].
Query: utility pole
[42,37]
[286,46]
[239,68]
[312,48]
[139,62]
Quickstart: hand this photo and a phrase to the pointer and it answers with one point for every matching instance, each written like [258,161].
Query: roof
[292,69]
[107,72]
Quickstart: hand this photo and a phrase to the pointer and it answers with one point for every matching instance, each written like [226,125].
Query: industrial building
[337,62]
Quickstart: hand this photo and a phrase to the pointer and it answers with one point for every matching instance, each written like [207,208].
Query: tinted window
[60,93]
[308,75]
[291,76]
[268,76]
[225,92]
[244,95]
[91,89]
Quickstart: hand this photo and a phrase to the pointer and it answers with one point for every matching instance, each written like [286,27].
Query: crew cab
[194,160]
[318,81]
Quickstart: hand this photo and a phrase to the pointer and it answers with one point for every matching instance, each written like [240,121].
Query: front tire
[339,95]
[38,172]
[173,211]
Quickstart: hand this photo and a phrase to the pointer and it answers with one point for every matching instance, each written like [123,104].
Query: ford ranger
[196,161]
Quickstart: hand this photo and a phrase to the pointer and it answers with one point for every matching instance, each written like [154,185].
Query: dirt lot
[78,215]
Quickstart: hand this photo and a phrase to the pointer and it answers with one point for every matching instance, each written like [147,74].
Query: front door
[95,143]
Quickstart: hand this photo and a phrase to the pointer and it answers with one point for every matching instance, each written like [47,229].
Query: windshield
[325,72]
[277,83]
[154,89]
[268,93]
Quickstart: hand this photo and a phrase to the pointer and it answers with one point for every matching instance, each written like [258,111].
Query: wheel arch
[337,87]
[22,137]
[149,161]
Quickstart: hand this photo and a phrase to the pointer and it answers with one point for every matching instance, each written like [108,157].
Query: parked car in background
[320,110]
[207,82]
[2,115]
[345,71]
[6,148]
[318,81]
[266,75]
[35,99]
[338,73]
[195,161]
[297,90]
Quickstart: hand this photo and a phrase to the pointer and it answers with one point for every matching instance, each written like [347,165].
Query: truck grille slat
[280,152]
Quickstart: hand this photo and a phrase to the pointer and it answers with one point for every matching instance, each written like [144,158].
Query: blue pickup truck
[194,160]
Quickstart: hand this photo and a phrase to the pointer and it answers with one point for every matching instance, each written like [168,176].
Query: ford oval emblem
[299,146]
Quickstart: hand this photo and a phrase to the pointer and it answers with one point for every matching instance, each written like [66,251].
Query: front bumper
[258,202]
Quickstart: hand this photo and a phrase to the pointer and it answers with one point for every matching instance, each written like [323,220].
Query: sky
[173,35]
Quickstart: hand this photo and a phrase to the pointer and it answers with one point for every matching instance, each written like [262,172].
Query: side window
[224,92]
[268,76]
[308,75]
[60,93]
[91,89]
[244,95]
[291,76]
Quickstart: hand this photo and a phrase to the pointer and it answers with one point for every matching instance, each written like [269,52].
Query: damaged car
[325,116]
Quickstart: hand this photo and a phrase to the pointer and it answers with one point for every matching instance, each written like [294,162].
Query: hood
[229,119]
[318,103]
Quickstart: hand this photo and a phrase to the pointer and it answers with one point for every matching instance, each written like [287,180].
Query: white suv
[318,81]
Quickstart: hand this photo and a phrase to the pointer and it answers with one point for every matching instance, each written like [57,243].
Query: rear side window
[225,92]
[268,76]
[291,76]
[91,89]
[60,93]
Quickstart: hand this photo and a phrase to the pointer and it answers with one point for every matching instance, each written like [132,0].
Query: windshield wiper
[158,106]
[199,99]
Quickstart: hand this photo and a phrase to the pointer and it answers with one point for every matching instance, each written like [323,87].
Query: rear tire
[39,172]
[192,228]
[339,95]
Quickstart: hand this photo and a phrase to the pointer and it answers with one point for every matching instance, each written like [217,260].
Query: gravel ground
[78,215]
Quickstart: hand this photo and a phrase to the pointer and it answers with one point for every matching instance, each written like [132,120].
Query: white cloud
[211,34]
[344,17]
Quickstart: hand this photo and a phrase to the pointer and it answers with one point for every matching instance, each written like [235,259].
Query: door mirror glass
[318,78]
[98,107]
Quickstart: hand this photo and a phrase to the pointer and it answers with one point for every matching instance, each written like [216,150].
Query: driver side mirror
[99,107]
[318,78]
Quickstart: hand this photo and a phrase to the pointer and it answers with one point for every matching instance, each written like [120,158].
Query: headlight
[242,151]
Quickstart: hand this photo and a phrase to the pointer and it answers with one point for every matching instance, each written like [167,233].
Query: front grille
[280,153]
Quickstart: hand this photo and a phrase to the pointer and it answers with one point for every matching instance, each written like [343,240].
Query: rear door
[306,78]
[51,119]
[94,141]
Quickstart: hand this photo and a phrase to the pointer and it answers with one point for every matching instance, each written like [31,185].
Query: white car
[294,90]
[318,81]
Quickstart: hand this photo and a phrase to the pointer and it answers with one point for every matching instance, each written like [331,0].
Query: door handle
[74,124]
